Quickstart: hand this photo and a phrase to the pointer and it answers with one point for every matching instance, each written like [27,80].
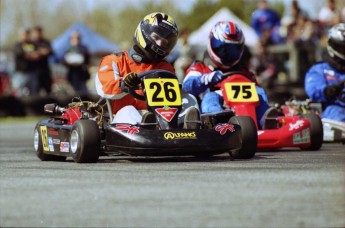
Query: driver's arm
[108,79]
[199,78]
[192,83]
[315,83]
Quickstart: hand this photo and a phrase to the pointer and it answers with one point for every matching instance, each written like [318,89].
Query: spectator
[264,66]
[265,20]
[303,30]
[5,81]
[42,66]
[25,81]
[324,82]
[186,54]
[295,11]
[76,59]
[290,21]
[329,15]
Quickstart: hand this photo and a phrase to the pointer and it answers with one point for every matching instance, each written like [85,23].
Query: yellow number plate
[163,91]
[44,135]
[241,92]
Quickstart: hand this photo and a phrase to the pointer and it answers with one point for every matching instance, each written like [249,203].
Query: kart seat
[270,119]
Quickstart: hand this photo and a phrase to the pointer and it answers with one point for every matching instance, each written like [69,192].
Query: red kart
[289,130]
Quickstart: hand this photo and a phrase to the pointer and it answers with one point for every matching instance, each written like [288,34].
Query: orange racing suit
[110,72]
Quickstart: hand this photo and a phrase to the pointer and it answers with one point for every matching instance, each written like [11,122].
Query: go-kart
[84,130]
[333,131]
[240,95]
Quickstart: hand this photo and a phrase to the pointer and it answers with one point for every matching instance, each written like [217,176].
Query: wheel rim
[74,141]
[36,139]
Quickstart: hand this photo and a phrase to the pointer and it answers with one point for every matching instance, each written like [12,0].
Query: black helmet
[336,47]
[156,36]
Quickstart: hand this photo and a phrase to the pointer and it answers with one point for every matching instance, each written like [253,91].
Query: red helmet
[226,44]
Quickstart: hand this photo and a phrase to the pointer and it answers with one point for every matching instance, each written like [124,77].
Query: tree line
[106,18]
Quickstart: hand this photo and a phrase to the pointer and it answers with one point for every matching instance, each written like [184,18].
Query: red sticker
[167,113]
[127,127]
[223,128]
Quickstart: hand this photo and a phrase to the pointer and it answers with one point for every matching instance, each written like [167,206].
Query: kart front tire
[316,132]
[249,137]
[85,141]
[39,149]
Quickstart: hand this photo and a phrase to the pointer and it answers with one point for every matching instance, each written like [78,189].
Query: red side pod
[72,115]
[294,132]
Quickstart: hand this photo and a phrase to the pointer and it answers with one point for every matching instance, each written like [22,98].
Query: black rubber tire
[87,147]
[249,137]
[40,153]
[316,132]
[204,156]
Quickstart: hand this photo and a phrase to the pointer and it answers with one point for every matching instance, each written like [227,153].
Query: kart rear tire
[249,137]
[85,141]
[204,156]
[39,149]
[316,132]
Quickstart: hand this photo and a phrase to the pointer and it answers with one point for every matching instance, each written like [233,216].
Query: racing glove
[332,91]
[211,78]
[131,80]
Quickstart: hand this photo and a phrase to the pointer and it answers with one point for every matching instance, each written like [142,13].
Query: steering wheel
[142,76]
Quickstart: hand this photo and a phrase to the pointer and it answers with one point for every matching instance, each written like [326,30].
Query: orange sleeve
[108,79]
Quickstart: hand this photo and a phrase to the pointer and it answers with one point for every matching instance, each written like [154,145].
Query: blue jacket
[317,78]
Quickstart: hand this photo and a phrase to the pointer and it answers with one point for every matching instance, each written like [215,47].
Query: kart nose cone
[74,141]
[36,139]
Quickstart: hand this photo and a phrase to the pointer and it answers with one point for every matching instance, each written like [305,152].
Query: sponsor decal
[44,136]
[301,137]
[50,143]
[127,127]
[167,113]
[64,147]
[330,75]
[223,128]
[56,141]
[52,131]
[295,126]
[331,78]
[180,135]
[260,132]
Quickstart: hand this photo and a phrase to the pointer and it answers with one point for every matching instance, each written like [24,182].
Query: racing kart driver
[224,52]
[154,38]
[324,82]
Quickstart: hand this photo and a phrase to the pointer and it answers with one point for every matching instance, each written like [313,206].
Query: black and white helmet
[336,46]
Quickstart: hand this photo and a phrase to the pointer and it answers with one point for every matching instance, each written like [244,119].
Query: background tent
[95,43]
[200,36]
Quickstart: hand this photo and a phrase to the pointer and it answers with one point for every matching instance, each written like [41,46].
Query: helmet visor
[229,53]
[165,43]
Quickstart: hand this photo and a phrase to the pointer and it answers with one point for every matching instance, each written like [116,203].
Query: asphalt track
[286,188]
